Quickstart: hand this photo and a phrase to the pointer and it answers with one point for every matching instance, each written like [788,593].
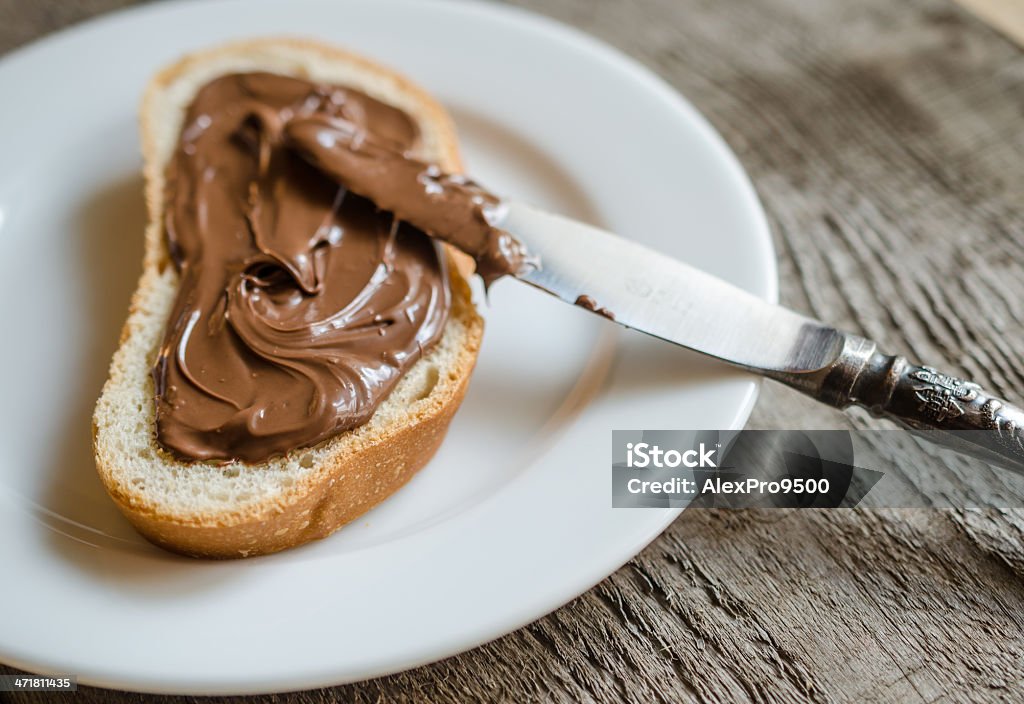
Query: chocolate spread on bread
[449,207]
[297,215]
[300,304]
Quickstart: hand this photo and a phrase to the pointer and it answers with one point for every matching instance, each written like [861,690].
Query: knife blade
[664,297]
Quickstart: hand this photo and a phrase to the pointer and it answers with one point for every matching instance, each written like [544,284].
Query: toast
[237,509]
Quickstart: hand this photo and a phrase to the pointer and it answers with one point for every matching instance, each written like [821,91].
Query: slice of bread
[241,509]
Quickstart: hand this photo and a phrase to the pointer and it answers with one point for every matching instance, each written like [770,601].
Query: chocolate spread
[449,207]
[300,303]
[590,304]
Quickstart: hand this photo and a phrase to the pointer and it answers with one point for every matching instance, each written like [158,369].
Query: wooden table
[886,140]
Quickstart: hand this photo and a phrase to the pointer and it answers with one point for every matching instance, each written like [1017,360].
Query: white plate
[512,519]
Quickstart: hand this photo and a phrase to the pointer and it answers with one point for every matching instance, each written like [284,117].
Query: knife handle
[944,409]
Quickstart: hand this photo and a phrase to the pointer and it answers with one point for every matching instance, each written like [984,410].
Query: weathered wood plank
[24,20]
[885,140]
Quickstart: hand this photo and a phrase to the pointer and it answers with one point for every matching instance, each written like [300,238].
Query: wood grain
[886,142]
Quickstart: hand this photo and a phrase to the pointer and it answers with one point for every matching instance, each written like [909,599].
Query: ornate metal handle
[950,411]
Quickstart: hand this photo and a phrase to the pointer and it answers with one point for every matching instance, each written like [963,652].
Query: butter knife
[661,296]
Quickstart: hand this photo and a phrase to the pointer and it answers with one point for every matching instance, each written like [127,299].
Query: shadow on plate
[647,364]
[549,184]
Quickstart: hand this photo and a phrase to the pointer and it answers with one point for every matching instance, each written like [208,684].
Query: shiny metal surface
[667,298]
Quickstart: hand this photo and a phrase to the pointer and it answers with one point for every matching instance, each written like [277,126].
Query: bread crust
[349,482]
